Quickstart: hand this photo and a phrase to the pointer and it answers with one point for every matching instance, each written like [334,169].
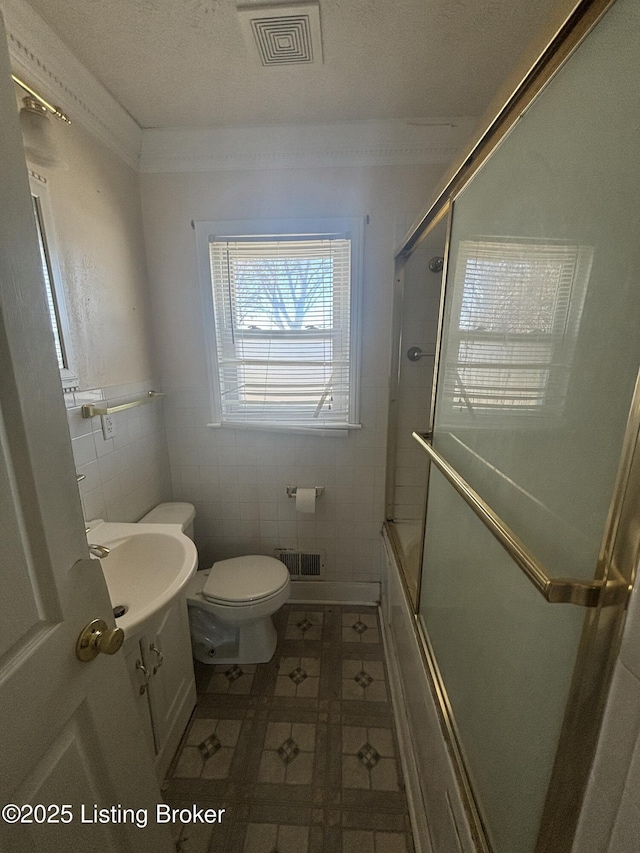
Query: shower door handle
[555,590]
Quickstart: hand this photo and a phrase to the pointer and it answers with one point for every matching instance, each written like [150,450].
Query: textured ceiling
[174,63]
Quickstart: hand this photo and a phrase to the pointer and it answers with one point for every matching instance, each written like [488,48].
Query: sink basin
[147,567]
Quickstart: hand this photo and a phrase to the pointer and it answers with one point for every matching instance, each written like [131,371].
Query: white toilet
[230,604]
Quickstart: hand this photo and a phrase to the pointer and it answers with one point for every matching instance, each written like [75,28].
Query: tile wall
[420,306]
[237,480]
[127,475]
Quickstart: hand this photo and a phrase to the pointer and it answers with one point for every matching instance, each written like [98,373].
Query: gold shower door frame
[620,549]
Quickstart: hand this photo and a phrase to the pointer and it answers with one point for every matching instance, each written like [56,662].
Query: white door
[69,732]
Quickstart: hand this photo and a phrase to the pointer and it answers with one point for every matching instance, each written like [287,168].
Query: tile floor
[301,751]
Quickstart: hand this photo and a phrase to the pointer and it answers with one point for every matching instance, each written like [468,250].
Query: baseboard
[335,592]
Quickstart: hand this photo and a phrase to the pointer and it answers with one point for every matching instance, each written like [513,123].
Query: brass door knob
[97,638]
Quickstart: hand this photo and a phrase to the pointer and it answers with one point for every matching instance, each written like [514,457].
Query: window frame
[40,192]
[207,231]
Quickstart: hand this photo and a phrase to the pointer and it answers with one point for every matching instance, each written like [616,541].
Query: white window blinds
[51,298]
[518,311]
[282,329]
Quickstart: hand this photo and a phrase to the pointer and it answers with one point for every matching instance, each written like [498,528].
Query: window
[53,288]
[515,323]
[282,305]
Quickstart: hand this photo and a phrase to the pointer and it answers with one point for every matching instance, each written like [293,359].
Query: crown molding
[396,142]
[47,64]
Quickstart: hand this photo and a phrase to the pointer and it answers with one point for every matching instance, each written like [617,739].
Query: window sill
[323,431]
[69,381]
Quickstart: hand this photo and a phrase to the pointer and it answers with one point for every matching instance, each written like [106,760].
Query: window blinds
[516,325]
[51,301]
[282,320]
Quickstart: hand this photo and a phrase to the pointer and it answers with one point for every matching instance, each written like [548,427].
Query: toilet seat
[245,580]
[222,602]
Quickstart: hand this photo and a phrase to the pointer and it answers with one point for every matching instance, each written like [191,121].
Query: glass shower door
[539,360]
[407,468]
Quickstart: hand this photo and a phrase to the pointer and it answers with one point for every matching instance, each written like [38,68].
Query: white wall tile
[103,446]
[288,529]
[350,467]
[93,504]
[77,424]
[267,474]
[127,475]
[269,530]
[190,474]
[230,509]
[92,477]
[268,511]
[84,449]
[109,466]
[228,473]
[249,512]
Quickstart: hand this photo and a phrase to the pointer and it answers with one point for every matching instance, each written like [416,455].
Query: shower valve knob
[415,354]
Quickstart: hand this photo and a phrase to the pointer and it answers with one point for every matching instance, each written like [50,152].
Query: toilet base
[256,643]
[247,643]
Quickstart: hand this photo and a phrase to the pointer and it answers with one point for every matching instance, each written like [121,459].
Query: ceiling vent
[284,34]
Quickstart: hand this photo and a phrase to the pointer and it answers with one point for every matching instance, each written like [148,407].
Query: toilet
[230,604]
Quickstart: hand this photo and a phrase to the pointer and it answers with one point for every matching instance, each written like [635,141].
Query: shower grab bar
[94,411]
[555,590]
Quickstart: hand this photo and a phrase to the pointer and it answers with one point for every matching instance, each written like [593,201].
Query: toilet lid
[245,579]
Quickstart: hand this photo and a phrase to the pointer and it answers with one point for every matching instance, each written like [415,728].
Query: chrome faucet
[99,551]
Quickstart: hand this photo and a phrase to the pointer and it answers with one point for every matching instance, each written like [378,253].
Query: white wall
[237,479]
[97,225]
[95,200]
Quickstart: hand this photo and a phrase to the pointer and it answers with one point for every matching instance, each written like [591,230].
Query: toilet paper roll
[305,500]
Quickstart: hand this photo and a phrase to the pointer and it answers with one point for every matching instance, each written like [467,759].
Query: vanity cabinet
[133,655]
[160,666]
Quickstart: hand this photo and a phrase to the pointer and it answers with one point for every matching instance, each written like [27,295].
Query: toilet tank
[173,513]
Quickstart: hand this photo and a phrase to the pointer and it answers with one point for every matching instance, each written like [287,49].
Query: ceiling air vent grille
[283,40]
[301,564]
[284,34]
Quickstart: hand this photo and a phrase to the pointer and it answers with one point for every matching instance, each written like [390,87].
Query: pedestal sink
[147,567]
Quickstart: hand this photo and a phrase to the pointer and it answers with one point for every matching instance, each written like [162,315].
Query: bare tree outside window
[287,293]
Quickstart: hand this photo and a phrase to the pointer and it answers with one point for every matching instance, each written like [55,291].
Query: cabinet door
[140,684]
[167,654]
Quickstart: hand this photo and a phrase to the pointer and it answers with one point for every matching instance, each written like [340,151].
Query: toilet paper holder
[292,491]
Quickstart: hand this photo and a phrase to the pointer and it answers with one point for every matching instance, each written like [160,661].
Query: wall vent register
[302,564]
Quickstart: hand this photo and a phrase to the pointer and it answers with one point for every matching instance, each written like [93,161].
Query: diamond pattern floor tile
[300,751]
